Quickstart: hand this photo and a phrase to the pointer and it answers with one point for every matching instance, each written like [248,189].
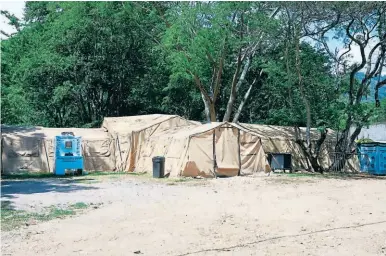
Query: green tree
[360,24]
[78,62]
[213,44]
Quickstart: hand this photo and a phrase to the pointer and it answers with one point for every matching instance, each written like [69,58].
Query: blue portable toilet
[68,153]
[372,157]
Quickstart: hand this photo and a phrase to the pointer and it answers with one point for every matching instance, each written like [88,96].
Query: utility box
[372,158]
[68,153]
[280,161]
[158,167]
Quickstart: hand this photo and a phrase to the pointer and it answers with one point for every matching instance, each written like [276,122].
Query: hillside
[382,90]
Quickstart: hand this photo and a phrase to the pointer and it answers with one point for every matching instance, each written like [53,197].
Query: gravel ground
[275,215]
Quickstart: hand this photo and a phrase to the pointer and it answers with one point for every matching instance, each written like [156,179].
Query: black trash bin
[158,166]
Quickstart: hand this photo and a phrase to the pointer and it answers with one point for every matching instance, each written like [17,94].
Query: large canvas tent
[32,148]
[207,150]
[191,149]
[282,139]
[131,132]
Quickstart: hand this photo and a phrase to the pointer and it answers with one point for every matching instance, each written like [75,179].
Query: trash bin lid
[158,159]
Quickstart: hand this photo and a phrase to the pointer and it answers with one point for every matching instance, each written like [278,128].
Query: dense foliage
[71,64]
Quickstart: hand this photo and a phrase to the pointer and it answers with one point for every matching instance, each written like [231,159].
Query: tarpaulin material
[282,139]
[190,148]
[32,148]
[130,134]
[207,150]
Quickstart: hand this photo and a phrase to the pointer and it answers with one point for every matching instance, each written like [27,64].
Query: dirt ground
[260,215]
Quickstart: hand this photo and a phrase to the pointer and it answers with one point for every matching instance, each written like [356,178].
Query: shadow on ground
[339,176]
[7,205]
[9,188]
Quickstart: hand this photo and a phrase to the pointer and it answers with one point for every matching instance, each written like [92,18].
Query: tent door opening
[227,151]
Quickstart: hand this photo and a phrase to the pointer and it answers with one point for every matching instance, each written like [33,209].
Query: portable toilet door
[367,154]
[381,159]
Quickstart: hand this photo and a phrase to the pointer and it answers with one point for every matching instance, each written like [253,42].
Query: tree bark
[235,87]
[312,154]
[302,93]
[207,107]
[242,104]
[209,103]
[379,85]
[343,149]
[245,99]
[345,143]
[232,95]
[210,111]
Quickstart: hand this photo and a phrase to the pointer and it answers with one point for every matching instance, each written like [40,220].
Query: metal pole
[239,151]
[214,153]
[48,160]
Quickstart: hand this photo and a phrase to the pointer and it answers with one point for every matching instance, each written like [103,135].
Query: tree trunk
[308,129]
[207,108]
[245,99]
[209,102]
[242,104]
[313,158]
[231,100]
[343,147]
[312,154]
[235,87]
[210,110]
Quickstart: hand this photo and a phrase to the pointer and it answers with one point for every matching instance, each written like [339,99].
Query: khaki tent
[282,139]
[131,132]
[32,148]
[206,150]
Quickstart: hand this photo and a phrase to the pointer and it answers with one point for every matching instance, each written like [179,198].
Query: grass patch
[79,205]
[21,176]
[85,180]
[335,175]
[317,175]
[58,213]
[12,219]
[176,181]
[115,173]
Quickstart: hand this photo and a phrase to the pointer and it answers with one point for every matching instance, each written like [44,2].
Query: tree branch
[219,74]
[6,34]
[162,15]
[232,95]
[13,20]
[245,99]
[376,95]
[199,85]
[356,68]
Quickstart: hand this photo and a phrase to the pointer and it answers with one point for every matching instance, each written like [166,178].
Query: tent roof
[209,126]
[136,123]
[190,131]
[285,132]
[127,124]
[43,132]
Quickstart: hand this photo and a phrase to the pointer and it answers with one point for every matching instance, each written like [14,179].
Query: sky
[16,8]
